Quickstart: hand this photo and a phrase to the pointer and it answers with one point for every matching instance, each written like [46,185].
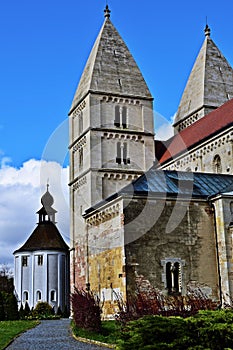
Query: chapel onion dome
[47,199]
[47,212]
[46,235]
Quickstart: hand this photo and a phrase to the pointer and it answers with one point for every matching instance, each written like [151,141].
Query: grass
[10,329]
[109,332]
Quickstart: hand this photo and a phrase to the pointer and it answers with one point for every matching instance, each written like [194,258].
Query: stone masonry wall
[183,231]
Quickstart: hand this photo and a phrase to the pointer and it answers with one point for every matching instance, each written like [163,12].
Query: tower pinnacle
[207,30]
[107,12]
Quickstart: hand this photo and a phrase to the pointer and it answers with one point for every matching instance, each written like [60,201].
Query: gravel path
[52,335]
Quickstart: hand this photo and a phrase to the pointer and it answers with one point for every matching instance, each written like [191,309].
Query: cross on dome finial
[107,12]
[207,30]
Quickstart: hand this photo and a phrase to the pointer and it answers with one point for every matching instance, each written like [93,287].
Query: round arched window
[217,166]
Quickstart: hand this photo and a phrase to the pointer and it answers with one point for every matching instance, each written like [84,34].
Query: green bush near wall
[205,330]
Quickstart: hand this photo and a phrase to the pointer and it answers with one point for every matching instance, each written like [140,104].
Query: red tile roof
[204,128]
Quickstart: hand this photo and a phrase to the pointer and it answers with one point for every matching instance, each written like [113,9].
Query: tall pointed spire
[111,68]
[209,85]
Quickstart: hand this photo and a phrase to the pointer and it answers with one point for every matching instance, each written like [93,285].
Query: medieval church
[140,206]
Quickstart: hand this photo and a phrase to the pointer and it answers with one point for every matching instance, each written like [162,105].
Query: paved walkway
[52,335]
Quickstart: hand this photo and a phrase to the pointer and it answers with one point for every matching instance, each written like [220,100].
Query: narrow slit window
[40,260]
[81,158]
[117,116]
[124,117]
[118,157]
[125,153]
[24,261]
[81,122]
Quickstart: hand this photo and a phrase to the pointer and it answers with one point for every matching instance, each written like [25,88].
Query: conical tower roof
[210,83]
[111,68]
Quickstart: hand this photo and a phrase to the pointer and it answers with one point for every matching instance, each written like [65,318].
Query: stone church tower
[203,124]
[111,133]
[209,86]
[42,263]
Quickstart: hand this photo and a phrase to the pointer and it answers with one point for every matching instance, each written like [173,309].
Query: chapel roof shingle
[45,237]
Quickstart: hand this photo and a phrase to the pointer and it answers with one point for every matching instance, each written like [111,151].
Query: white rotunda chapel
[42,263]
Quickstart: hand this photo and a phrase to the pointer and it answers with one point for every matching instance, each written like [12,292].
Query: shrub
[87,310]
[206,330]
[42,311]
[212,329]
[8,307]
[147,300]
[24,311]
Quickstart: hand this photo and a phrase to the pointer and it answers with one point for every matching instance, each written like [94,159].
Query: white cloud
[20,193]
[163,127]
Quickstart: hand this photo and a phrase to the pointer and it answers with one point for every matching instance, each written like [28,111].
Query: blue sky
[44,47]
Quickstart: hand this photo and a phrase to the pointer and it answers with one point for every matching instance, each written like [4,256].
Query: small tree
[87,310]
[2,313]
[10,307]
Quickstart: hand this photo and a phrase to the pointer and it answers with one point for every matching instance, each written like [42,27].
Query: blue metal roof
[169,183]
[180,183]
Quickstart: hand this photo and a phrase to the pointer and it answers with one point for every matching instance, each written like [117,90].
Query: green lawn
[108,334]
[10,329]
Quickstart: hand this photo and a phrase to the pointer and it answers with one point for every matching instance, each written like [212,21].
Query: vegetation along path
[52,335]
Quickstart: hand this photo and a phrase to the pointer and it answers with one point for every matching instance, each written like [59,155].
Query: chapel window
[24,261]
[53,295]
[25,296]
[40,260]
[217,166]
[38,295]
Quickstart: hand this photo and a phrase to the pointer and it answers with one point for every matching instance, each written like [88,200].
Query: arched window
[53,295]
[38,295]
[124,117]
[120,117]
[122,153]
[217,166]
[172,275]
[25,296]
[117,116]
